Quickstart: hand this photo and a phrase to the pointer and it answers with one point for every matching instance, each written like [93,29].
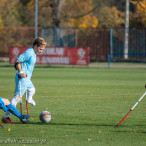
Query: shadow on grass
[6,65]
[65,124]
[127,131]
[62,66]
[76,124]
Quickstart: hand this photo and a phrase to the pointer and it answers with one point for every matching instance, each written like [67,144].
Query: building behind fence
[101,42]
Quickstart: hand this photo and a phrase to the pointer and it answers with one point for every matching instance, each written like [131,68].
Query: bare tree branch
[83,14]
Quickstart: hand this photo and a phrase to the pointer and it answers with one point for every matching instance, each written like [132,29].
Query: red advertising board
[55,55]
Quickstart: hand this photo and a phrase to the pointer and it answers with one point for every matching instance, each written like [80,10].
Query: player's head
[39,44]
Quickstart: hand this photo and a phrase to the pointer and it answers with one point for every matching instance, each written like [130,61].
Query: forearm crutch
[20,95]
[26,103]
[21,99]
[2,125]
[131,109]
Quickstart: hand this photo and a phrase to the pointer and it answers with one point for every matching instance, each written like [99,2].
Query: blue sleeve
[2,106]
[24,56]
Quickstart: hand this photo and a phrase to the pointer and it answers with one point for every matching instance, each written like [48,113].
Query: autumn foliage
[140,8]
[71,13]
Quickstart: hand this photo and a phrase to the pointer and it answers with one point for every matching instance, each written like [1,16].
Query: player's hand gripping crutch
[131,109]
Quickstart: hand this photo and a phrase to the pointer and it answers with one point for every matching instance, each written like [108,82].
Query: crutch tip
[117,126]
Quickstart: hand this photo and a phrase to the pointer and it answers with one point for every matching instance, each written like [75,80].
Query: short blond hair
[39,42]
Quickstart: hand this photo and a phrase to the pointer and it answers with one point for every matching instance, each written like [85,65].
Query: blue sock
[14,111]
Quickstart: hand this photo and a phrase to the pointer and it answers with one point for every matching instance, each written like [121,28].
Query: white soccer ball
[45,116]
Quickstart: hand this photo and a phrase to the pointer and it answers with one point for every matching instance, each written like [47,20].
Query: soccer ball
[45,116]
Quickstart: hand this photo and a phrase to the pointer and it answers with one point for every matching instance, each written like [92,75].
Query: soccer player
[6,106]
[24,65]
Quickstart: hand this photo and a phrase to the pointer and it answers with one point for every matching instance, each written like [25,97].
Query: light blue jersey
[27,60]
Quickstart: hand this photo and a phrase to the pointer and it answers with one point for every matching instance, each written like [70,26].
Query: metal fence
[15,36]
[136,45]
[101,42]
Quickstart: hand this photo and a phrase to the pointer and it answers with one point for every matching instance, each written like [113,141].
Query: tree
[54,5]
[1,22]
[84,22]
[78,13]
[44,13]
[139,18]
[22,9]
[63,13]
[9,12]
[110,17]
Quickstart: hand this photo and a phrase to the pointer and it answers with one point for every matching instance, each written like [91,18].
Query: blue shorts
[25,84]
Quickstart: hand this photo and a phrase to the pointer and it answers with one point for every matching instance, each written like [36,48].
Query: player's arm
[18,67]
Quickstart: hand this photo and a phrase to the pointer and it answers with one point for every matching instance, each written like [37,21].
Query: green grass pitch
[85,103]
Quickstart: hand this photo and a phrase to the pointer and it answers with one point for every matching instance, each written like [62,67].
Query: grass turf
[85,104]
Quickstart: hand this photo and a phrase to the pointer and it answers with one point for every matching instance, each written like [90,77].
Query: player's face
[40,49]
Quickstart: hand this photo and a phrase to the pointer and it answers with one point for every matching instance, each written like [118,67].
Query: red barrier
[55,55]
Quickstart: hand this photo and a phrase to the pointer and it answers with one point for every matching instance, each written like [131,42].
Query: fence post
[109,60]
[111,42]
[36,19]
